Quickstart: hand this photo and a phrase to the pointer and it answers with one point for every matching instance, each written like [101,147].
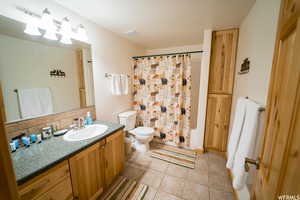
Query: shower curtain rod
[167,54]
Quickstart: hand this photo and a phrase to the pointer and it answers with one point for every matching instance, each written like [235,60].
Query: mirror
[41,77]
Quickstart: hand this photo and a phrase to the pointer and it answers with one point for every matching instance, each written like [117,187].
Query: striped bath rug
[125,189]
[175,155]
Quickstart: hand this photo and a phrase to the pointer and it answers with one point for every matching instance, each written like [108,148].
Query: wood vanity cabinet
[54,184]
[114,155]
[84,176]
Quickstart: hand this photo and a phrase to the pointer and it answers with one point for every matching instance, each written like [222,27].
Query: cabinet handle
[102,146]
[41,185]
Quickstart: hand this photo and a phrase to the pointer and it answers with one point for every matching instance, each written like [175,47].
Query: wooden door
[115,156]
[8,184]
[222,65]
[280,158]
[87,172]
[217,122]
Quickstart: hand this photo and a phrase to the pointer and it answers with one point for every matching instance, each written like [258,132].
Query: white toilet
[143,135]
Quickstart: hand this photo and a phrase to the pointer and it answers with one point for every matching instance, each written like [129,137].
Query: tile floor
[208,181]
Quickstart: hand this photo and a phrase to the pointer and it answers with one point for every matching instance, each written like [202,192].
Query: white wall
[26,64]
[197,134]
[111,53]
[257,42]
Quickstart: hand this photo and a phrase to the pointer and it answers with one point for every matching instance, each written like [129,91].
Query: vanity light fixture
[82,33]
[48,24]
[52,27]
[66,31]
[32,27]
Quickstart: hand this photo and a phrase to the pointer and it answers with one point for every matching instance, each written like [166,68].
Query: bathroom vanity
[60,170]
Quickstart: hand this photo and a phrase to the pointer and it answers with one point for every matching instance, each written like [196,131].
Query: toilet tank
[128,119]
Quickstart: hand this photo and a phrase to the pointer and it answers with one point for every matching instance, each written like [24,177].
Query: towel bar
[107,75]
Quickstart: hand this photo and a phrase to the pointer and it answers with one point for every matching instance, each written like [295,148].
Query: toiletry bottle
[89,119]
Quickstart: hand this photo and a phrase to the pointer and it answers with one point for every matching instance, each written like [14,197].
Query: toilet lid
[142,130]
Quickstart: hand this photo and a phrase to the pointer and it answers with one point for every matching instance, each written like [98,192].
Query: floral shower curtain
[162,96]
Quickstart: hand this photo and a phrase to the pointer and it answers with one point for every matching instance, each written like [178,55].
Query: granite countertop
[30,162]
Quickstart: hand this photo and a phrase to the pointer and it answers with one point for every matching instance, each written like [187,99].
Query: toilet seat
[142,131]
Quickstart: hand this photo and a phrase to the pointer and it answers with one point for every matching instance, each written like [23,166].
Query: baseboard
[215,151]
[199,151]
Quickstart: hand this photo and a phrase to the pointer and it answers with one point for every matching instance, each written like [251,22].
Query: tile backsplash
[59,120]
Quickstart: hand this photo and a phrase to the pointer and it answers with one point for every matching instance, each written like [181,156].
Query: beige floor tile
[198,176]
[218,159]
[220,183]
[150,195]
[220,195]
[172,185]
[158,165]
[217,168]
[152,178]
[202,156]
[201,165]
[143,160]
[165,196]
[177,171]
[133,172]
[193,191]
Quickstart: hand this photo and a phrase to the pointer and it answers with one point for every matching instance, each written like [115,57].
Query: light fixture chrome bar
[33,14]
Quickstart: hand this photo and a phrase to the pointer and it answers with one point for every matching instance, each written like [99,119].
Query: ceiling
[162,23]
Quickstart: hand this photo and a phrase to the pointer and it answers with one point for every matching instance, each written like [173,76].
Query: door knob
[252,162]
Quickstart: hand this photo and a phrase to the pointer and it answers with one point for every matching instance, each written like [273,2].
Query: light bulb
[82,33]
[48,24]
[32,27]
[66,31]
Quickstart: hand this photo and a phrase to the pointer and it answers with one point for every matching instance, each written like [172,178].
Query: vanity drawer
[62,191]
[44,182]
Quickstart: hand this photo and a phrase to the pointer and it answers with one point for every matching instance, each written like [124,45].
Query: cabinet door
[217,121]
[222,63]
[115,156]
[87,172]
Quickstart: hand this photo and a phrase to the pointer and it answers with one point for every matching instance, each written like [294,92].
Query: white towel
[116,84]
[35,102]
[236,131]
[246,144]
[124,83]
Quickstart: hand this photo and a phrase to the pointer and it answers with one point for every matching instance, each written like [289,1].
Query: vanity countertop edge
[36,159]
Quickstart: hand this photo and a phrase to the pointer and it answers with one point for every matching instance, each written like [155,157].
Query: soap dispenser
[88,119]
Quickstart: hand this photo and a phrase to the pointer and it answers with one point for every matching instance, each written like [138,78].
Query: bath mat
[125,189]
[175,155]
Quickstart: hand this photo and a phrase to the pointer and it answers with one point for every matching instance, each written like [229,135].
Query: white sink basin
[85,133]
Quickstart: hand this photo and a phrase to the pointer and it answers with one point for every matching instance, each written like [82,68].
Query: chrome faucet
[78,123]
